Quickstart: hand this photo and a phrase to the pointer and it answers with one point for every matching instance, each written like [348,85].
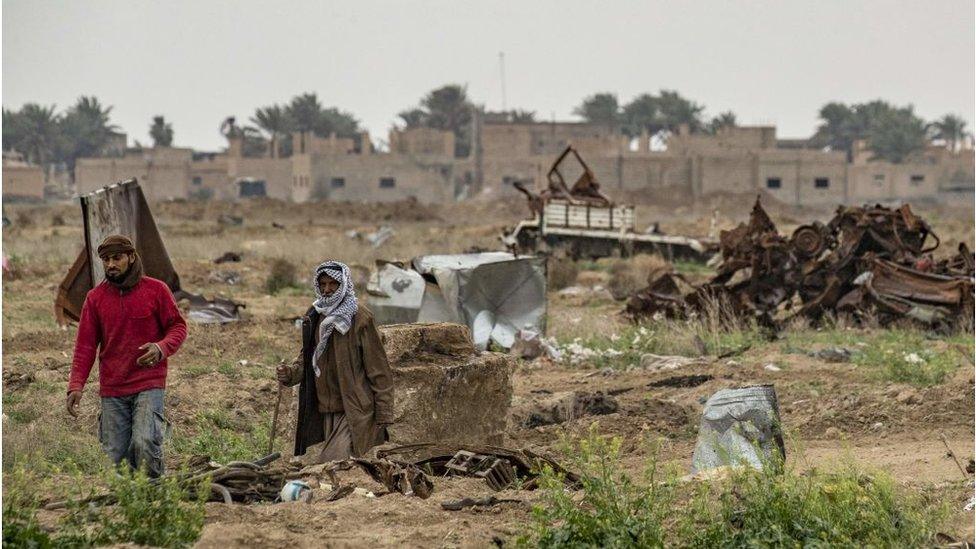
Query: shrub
[846,508]
[157,513]
[20,503]
[283,274]
[775,507]
[614,511]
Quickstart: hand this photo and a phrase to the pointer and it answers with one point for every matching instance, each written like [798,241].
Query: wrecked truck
[582,222]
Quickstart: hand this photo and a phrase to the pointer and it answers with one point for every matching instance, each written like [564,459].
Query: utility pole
[501,63]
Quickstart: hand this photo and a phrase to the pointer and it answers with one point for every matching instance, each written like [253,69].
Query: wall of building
[275,172]
[548,139]
[422,142]
[798,171]
[162,172]
[368,178]
[22,182]
[209,179]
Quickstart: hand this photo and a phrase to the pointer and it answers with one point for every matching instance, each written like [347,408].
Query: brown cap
[114,244]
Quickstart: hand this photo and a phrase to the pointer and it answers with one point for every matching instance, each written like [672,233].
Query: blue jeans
[131,428]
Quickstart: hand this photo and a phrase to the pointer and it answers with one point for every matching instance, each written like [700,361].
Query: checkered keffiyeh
[337,310]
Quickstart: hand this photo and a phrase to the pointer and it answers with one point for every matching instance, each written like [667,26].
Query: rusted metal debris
[869,261]
[585,188]
[522,464]
[497,472]
[397,476]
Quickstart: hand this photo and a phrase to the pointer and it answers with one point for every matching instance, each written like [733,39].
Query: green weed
[224,439]
[905,356]
[196,370]
[844,508]
[20,504]
[145,512]
[614,510]
[774,507]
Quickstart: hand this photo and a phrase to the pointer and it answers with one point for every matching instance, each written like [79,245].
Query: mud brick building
[22,182]
[421,163]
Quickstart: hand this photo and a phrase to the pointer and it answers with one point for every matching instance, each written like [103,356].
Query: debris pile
[869,261]
[499,466]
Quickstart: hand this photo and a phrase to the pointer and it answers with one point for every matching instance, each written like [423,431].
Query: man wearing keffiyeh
[345,382]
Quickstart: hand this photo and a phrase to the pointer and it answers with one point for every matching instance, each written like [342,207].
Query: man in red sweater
[131,321]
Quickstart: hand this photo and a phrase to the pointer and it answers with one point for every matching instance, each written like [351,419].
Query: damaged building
[421,163]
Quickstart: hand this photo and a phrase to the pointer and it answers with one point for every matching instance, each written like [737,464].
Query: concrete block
[444,390]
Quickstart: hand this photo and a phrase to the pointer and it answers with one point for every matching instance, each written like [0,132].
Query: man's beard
[127,279]
[118,278]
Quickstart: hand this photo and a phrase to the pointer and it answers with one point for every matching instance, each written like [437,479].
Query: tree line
[892,133]
[46,137]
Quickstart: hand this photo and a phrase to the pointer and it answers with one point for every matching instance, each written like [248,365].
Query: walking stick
[274,419]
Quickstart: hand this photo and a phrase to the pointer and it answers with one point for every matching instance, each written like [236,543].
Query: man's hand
[74,400]
[151,357]
[282,373]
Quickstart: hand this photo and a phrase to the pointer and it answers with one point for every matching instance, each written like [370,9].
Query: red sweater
[115,325]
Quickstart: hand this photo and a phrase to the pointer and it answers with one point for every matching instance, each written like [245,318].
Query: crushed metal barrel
[867,262]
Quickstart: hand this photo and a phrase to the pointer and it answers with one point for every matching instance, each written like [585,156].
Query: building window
[338,182]
[879,179]
[387,182]
[918,179]
[774,183]
[821,182]
[197,180]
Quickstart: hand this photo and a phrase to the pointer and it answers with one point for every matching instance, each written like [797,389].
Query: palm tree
[86,130]
[12,130]
[274,120]
[448,108]
[341,123]
[951,129]
[161,132]
[305,112]
[38,130]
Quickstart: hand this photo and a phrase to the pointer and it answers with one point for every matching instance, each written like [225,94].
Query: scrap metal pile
[867,262]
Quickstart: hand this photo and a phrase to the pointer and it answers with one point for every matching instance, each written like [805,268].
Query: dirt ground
[832,411]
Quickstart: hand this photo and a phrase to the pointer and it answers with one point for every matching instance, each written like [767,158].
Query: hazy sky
[196,62]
